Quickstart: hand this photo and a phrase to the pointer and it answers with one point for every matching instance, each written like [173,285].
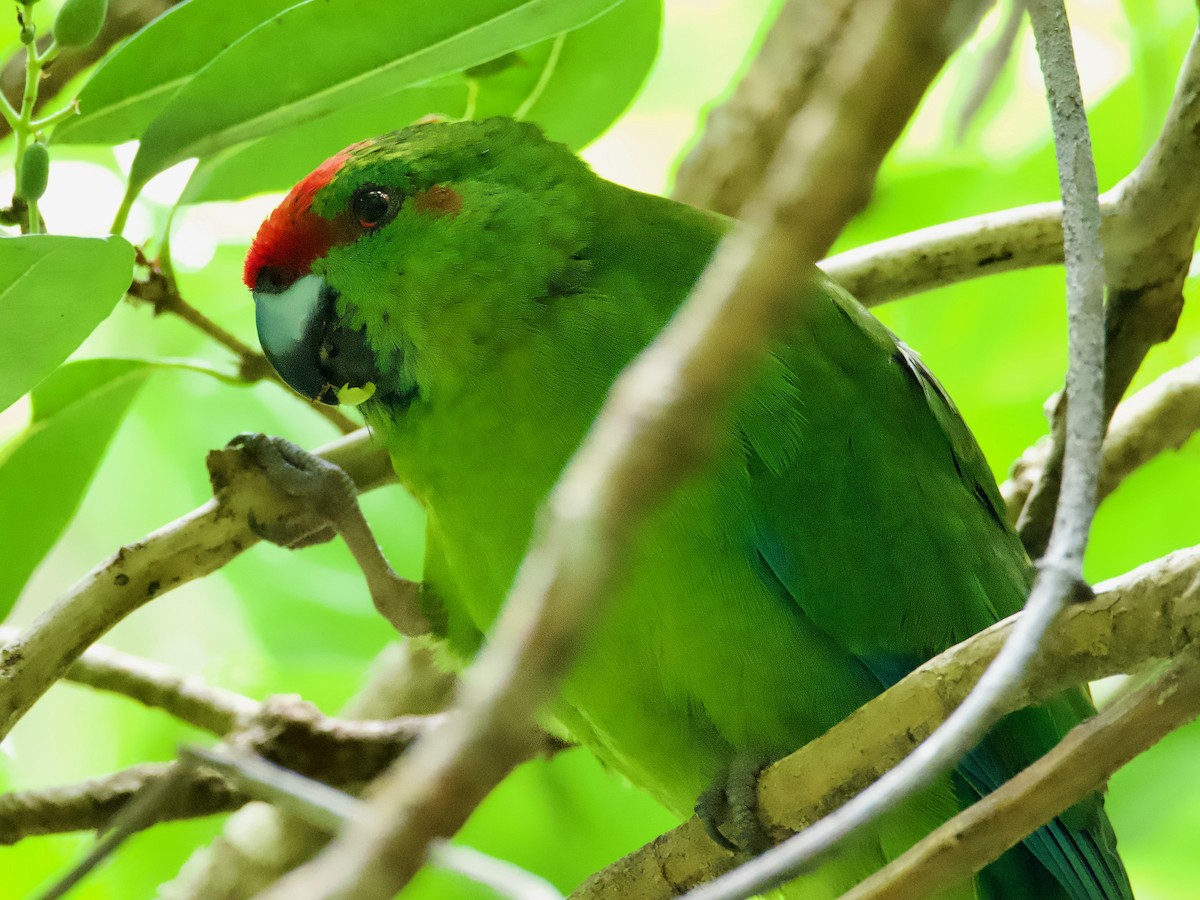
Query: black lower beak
[306,343]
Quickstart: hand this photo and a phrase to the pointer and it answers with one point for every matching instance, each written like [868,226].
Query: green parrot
[478,289]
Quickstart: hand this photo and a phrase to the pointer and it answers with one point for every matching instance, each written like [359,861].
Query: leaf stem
[160,291]
[8,111]
[122,217]
[547,73]
[33,74]
[69,111]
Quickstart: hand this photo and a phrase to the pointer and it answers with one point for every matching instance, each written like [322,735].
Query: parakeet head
[400,265]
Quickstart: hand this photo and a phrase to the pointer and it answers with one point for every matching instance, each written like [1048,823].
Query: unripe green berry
[79,21]
[35,170]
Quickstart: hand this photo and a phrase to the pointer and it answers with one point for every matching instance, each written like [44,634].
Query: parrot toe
[297,473]
[728,809]
[329,495]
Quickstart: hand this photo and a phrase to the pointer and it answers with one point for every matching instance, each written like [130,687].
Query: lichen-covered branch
[1150,613]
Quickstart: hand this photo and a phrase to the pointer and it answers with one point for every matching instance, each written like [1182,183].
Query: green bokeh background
[279,622]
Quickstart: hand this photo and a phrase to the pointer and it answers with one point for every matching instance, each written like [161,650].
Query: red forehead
[293,236]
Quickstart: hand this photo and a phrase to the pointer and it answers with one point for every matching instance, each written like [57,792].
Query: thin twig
[1161,416]
[1061,570]
[505,878]
[1148,253]
[991,64]
[159,290]
[154,684]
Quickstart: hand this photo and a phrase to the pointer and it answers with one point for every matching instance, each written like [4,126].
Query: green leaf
[135,83]
[574,85]
[46,470]
[321,56]
[599,70]
[53,291]
[277,161]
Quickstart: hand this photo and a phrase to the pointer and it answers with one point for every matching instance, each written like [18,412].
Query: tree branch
[988,244]
[92,804]
[1079,765]
[1161,416]
[1150,613]
[283,730]
[153,684]
[1150,248]
[259,843]
[188,548]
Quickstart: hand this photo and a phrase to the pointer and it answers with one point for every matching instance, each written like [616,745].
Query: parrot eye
[372,206]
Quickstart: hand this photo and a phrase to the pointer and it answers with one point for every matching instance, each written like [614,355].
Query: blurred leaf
[574,92]
[137,81]
[277,161]
[316,58]
[53,291]
[45,471]
[598,72]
